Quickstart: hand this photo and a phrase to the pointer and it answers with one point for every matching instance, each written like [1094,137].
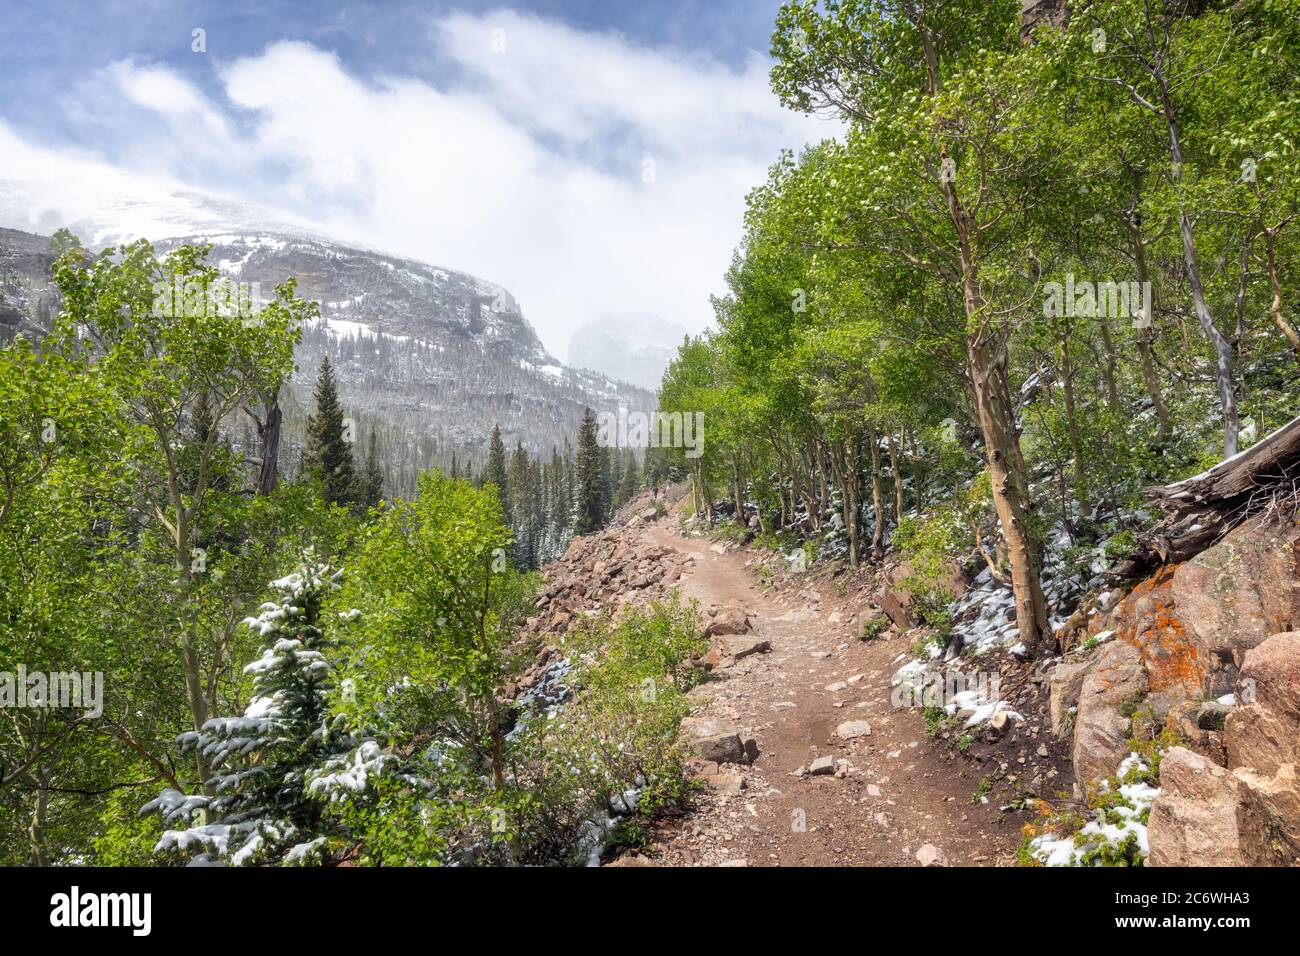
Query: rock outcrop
[1248,813]
[1206,645]
[1194,820]
[1194,622]
[1064,687]
[1104,720]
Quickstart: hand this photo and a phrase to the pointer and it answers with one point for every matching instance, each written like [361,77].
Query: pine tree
[279,768]
[372,483]
[589,479]
[328,456]
[631,482]
[520,517]
[607,483]
[495,473]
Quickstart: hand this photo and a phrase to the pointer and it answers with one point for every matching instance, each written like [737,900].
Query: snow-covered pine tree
[279,767]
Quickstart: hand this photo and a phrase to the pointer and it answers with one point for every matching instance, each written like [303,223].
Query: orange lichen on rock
[1147,618]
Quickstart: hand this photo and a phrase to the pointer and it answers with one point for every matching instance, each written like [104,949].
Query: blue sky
[591,156]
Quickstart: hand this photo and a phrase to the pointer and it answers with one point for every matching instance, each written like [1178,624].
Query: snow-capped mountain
[427,357]
[635,348]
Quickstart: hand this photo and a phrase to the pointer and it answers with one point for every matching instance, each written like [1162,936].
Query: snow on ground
[1122,823]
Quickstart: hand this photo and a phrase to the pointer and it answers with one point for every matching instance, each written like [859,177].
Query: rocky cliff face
[1034,13]
[427,358]
[26,294]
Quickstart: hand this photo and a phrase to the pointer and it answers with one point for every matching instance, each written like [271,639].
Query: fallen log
[1199,511]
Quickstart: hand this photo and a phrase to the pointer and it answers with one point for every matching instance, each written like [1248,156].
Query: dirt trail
[901,791]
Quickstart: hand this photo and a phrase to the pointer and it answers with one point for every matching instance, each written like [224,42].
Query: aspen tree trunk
[917,471]
[1071,419]
[1108,369]
[986,366]
[986,363]
[190,662]
[735,489]
[877,501]
[853,507]
[1146,359]
[749,467]
[1275,306]
[268,436]
[1222,350]
[845,472]
[1001,444]
[898,474]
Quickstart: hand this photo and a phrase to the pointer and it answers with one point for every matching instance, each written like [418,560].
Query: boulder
[721,748]
[1268,817]
[1236,594]
[1270,674]
[1193,821]
[1264,733]
[1065,686]
[694,728]
[729,621]
[896,601]
[1259,739]
[1150,619]
[713,659]
[1101,728]
[1181,720]
[741,646]
[822,767]
[1211,715]
[726,782]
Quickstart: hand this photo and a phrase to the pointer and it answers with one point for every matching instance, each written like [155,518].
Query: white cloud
[525,169]
[162,91]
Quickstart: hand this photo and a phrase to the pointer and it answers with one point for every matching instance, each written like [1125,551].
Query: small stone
[931,855]
[822,766]
[726,782]
[851,729]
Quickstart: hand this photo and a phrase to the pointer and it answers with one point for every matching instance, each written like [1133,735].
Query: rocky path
[890,797]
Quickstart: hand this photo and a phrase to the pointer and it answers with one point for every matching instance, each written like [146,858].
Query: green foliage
[873,627]
[621,732]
